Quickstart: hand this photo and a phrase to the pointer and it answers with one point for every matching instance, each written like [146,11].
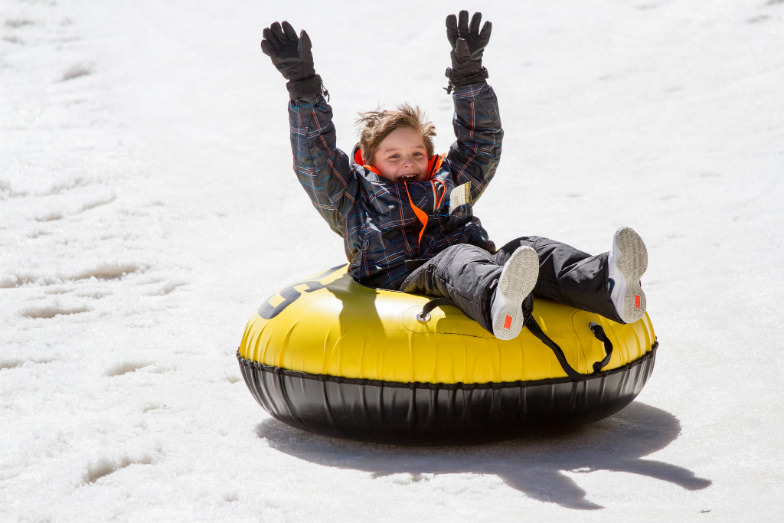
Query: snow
[147,207]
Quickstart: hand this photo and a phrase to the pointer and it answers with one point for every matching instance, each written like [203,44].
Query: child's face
[402,156]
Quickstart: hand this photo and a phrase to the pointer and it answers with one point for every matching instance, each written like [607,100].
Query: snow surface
[147,207]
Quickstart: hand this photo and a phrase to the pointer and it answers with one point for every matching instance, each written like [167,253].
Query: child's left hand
[290,55]
[468,45]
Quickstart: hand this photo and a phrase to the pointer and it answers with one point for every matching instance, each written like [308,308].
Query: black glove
[292,57]
[468,46]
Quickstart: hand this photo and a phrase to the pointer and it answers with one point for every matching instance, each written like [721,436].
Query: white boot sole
[630,258]
[517,280]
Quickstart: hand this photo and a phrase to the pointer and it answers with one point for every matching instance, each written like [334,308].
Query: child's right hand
[291,56]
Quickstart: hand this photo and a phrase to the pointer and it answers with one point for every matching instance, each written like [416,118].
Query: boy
[406,214]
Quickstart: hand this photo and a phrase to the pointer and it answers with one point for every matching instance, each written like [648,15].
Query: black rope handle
[429,306]
[597,330]
[537,331]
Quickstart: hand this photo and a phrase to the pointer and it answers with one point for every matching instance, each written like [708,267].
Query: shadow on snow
[534,465]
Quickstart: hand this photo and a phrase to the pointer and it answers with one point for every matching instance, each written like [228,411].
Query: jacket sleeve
[323,170]
[475,155]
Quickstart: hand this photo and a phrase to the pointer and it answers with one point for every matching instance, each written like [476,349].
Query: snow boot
[516,282]
[627,263]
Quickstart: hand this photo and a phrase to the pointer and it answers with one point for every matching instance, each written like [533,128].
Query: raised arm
[475,155]
[323,170]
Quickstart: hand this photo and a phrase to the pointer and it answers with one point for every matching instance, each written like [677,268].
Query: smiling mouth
[408,177]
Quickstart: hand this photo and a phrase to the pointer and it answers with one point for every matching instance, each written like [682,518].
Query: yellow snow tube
[332,356]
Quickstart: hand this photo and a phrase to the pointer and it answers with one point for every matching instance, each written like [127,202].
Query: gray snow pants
[468,275]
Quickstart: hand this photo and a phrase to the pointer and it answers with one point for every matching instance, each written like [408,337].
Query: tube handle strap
[598,331]
[570,371]
[537,331]
[429,306]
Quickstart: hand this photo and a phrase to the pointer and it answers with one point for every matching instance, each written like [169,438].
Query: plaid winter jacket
[389,227]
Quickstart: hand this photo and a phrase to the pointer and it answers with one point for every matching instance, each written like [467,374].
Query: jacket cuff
[469,90]
[459,78]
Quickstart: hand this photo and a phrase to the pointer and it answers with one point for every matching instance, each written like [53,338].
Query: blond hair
[376,125]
